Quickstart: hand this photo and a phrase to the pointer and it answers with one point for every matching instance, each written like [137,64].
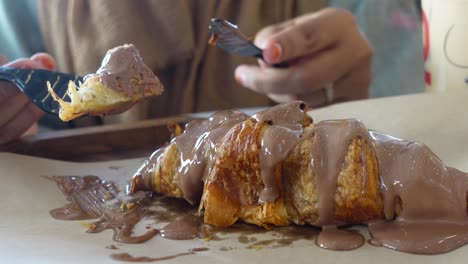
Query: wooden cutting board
[99,143]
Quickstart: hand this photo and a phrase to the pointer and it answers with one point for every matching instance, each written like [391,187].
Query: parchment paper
[29,235]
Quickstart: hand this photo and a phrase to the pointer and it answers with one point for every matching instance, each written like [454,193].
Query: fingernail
[241,76]
[44,60]
[273,52]
[48,64]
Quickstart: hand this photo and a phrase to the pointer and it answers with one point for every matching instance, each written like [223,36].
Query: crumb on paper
[87,225]
[255,247]
[112,247]
[126,206]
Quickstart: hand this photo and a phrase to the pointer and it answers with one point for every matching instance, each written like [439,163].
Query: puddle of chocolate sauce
[419,237]
[129,258]
[90,198]
[339,239]
[122,223]
[183,228]
[87,197]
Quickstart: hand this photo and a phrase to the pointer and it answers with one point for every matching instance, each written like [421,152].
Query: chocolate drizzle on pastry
[285,131]
[410,200]
[329,148]
[255,169]
[428,199]
[197,146]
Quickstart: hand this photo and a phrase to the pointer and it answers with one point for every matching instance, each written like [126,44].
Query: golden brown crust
[234,183]
[358,199]
[301,197]
[166,174]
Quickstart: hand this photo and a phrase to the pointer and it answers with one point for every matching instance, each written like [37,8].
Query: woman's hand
[323,49]
[17,112]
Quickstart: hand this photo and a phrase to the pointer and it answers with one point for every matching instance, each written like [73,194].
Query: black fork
[33,83]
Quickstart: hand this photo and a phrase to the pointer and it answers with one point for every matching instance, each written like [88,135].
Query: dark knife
[227,36]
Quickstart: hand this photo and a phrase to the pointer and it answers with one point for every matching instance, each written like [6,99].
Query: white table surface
[29,235]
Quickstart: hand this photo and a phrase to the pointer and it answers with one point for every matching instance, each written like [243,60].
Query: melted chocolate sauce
[91,198]
[122,224]
[198,139]
[278,139]
[420,236]
[88,196]
[129,258]
[124,71]
[339,239]
[122,219]
[434,216]
[329,148]
[183,228]
[196,145]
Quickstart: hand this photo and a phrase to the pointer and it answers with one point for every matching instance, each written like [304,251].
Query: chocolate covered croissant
[278,168]
[122,81]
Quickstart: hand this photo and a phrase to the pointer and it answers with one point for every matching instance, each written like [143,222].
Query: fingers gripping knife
[227,36]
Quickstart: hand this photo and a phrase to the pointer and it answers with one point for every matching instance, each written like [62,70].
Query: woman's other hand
[323,49]
[18,114]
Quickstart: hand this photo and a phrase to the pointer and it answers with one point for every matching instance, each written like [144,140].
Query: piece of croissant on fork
[233,177]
